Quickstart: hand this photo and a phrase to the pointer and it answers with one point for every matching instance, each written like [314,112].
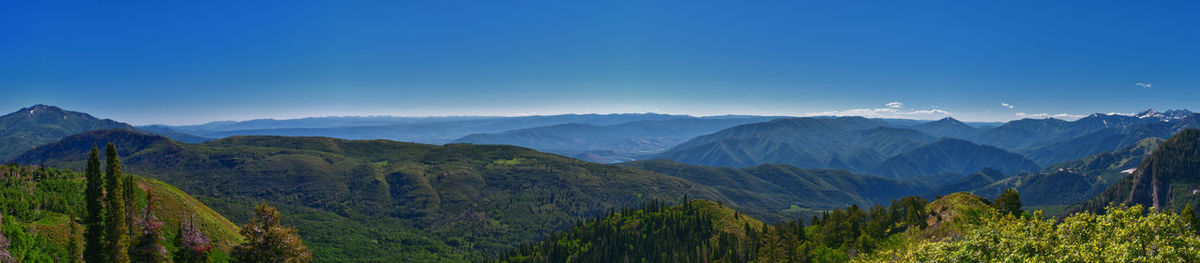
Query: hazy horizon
[817,114]
[188,63]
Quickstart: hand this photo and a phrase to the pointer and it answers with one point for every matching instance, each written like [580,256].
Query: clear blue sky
[180,62]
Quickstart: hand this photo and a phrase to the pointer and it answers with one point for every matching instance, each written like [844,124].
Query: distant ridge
[39,124]
[953,157]
[1167,179]
[948,127]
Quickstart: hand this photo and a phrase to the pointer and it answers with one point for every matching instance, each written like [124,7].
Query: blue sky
[182,62]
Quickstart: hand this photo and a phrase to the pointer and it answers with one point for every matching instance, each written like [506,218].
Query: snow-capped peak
[1166,116]
[1149,113]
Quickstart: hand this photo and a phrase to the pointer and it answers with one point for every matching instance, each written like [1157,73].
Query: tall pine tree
[73,243]
[116,238]
[146,246]
[94,220]
[131,212]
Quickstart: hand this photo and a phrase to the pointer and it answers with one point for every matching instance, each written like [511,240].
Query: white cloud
[895,105]
[1061,116]
[1144,85]
[1006,105]
[890,113]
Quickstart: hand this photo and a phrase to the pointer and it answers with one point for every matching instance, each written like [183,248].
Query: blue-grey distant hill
[429,130]
[869,145]
[612,143]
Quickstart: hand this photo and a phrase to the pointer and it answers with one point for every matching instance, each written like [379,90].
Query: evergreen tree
[267,241]
[1009,202]
[116,238]
[193,245]
[94,220]
[147,247]
[1189,218]
[129,196]
[73,242]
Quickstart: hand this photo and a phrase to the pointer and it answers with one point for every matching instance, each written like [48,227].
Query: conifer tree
[192,243]
[116,236]
[267,241]
[1189,216]
[147,247]
[1009,202]
[73,242]
[94,248]
[129,196]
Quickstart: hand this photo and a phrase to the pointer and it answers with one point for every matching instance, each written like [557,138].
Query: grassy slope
[173,203]
[953,214]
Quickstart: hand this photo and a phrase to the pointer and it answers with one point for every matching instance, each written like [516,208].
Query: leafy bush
[1123,234]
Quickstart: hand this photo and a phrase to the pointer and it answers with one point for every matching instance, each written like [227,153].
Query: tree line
[115,227]
[687,232]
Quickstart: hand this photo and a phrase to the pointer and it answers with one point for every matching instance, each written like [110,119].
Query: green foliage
[94,217]
[1009,202]
[5,256]
[268,241]
[1167,179]
[147,245]
[1189,217]
[954,214]
[24,246]
[355,200]
[704,231]
[116,234]
[689,232]
[194,246]
[39,204]
[786,192]
[1123,234]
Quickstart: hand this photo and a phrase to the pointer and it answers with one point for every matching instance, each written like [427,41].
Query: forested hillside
[948,159]
[43,214]
[388,199]
[1168,179]
[786,192]
[852,143]
[453,202]
[956,228]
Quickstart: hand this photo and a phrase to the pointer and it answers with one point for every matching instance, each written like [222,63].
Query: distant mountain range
[477,200]
[886,147]
[865,145]
[612,143]
[1062,184]
[431,130]
[853,143]
[39,124]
